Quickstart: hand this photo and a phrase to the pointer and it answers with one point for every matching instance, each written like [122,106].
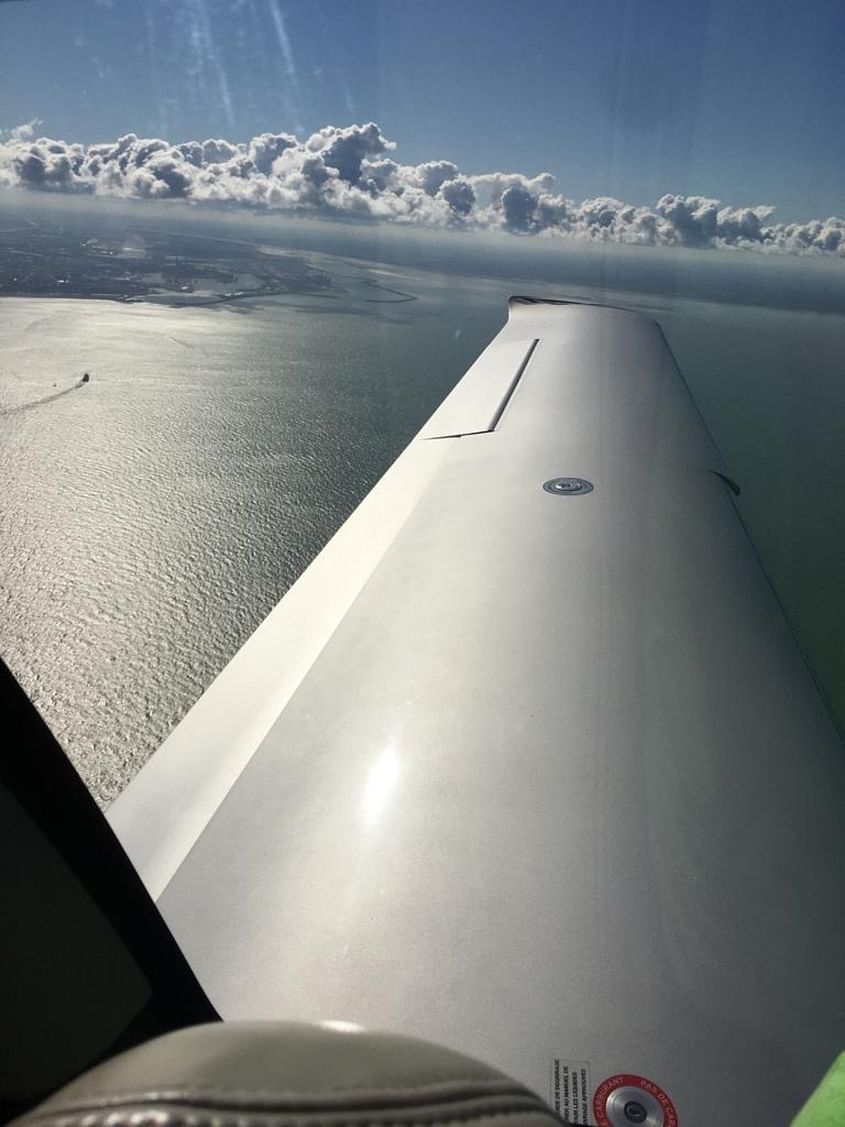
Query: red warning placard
[627,1089]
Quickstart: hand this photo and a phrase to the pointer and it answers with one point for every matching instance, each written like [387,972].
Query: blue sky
[733,98]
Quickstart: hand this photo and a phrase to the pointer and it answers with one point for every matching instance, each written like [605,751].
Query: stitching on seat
[206,1115]
[434,1086]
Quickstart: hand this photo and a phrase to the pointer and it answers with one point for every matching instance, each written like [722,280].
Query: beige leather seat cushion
[240,1074]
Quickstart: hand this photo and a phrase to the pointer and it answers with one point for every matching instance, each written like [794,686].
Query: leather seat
[240,1074]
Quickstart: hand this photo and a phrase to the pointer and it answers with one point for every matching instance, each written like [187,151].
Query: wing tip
[520,304]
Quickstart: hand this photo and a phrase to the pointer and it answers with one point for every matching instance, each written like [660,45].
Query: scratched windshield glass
[247,248]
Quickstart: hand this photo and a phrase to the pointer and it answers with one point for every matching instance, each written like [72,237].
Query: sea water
[151,516]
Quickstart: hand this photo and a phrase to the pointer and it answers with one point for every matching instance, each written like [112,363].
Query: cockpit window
[246,248]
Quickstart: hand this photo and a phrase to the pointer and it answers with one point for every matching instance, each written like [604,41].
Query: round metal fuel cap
[632,1105]
[568,486]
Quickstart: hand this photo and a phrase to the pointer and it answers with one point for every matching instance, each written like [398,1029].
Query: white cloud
[26,131]
[350,170]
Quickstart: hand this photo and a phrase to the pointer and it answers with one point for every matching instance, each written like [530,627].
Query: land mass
[63,256]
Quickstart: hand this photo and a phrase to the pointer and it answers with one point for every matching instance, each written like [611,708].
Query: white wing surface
[539,773]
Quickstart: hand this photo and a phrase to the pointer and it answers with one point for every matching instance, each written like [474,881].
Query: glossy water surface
[152,516]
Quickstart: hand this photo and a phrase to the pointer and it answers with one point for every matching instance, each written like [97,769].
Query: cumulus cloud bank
[351,171]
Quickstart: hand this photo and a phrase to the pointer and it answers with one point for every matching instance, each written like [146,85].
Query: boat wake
[45,399]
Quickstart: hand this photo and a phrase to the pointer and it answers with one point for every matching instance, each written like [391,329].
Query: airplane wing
[528,761]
